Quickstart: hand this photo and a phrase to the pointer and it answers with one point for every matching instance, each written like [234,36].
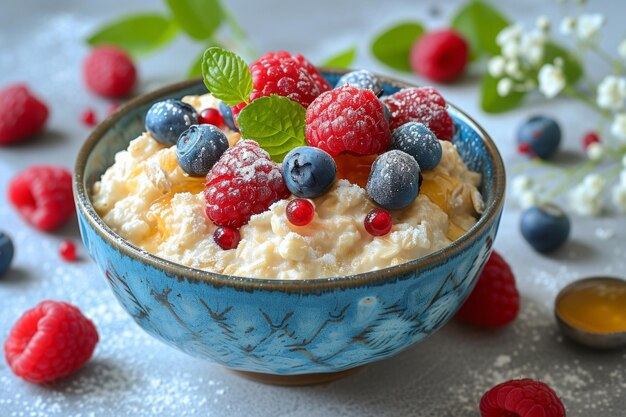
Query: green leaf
[492,102]
[341,60]
[480,23]
[199,18]
[226,75]
[195,70]
[137,34]
[275,122]
[571,66]
[393,46]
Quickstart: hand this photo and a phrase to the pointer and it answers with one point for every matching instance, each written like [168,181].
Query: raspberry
[424,105]
[242,183]
[495,300]
[67,250]
[348,119]
[440,56]
[109,71]
[50,341]
[22,114]
[319,80]
[43,196]
[521,398]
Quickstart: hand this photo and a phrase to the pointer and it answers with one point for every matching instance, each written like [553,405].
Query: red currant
[89,117]
[524,148]
[211,117]
[378,222]
[68,250]
[227,237]
[589,138]
[300,212]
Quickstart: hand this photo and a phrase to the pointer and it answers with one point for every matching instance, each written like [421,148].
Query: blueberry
[166,120]
[6,253]
[539,136]
[309,172]
[545,227]
[394,180]
[227,114]
[362,79]
[199,148]
[418,141]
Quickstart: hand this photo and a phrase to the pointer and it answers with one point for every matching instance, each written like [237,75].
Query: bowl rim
[179,271]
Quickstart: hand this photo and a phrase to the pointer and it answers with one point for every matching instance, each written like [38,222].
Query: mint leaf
[341,60]
[480,23]
[137,34]
[571,66]
[226,75]
[492,102]
[393,46]
[275,122]
[198,18]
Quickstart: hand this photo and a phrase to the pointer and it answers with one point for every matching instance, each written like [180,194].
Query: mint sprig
[226,75]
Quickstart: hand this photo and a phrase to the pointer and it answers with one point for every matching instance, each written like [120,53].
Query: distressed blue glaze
[281,330]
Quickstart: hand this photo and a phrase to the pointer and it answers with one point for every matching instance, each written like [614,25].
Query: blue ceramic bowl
[311,327]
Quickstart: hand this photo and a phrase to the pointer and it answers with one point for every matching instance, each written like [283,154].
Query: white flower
[595,151]
[521,183]
[586,198]
[612,92]
[495,66]
[619,197]
[551,80]
[618,127]
[621,49]
[568,25]
[543,23]
[511,50]
[588,26]
[527,199]
[504,87]
[512,68]
[594,182]
[509,34]
[532,44]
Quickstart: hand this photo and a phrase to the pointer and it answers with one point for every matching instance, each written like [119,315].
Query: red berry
[43,196]
[524,148]
[67,250]
[310,69]
[521,398]
[589,138]
[378,222]
[494,302]
[421,104]
[226,237]
[50,341]
[89,117]
[300,212]
[440,56]
[211,117]
[22,114]
[109,72]
[348,119]
[243,182]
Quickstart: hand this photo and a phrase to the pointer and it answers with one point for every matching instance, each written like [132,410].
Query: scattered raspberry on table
[110,72]
[521,398]
[23,115]
[440,56]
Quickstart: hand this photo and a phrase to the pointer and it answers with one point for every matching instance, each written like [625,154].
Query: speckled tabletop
[132,374]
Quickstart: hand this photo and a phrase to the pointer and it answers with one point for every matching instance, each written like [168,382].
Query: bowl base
[297,380]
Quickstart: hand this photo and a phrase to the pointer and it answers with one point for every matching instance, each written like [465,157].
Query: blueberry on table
[394,180]
[227,115]
[539,136]
[199,148]
[418,141]
[166,120]
[546,227]
[362,79]
[309,172]
[6,253]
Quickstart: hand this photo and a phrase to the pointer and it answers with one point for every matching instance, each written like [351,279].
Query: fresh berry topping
[418,141]
[166,120]
[540,135]
[424,105]
[354,168]
[211,117]
[395,180]
[50,341]
[361,79]
[546,227]
[310,69]
[6,253]
[227,115]
[348,119]
[590,138]
[22,114]
[440,56]
[67,250]
[199,148]
[226,237]
[89,117]
[308,172]
[378,222]
[242,183]
[300,212]
[109,71]
[494,302]
[43,196]
[521,398]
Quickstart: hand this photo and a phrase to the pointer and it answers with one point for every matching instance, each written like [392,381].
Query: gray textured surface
[131,374]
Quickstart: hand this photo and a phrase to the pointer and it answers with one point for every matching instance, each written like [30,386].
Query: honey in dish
[596,307]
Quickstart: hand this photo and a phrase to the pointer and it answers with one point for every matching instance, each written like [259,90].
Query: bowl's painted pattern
[283,327]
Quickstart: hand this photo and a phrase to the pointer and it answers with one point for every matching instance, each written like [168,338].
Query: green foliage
[226,75]
[343,59]
[198,18]
[480,23]
[571,66]
[393,46]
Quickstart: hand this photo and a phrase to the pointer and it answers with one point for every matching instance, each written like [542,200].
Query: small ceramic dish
[296,331]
